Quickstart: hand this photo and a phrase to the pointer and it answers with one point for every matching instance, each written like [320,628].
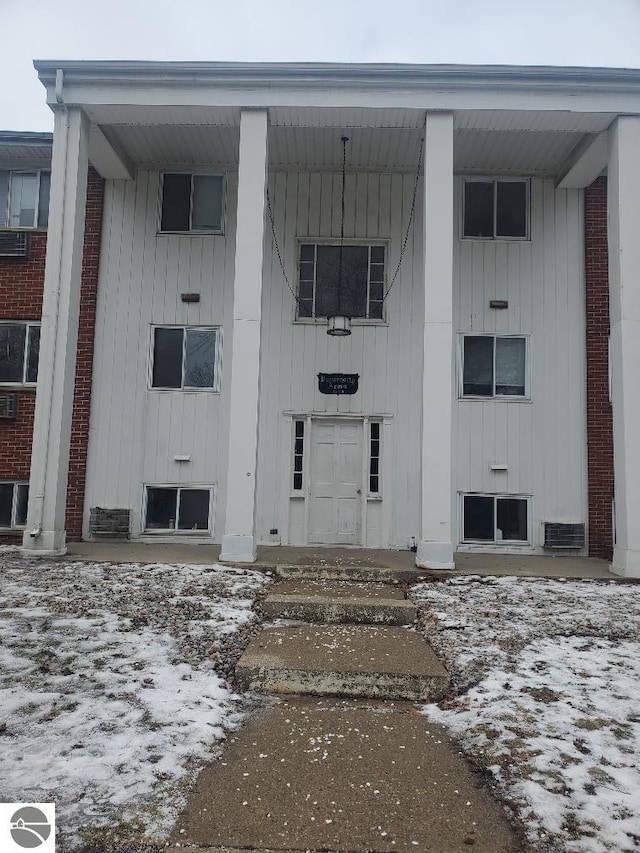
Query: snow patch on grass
[107,686]
[546,675]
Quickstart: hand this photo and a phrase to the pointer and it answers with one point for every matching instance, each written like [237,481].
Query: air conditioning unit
[14,244]
[559,536]
[8,407]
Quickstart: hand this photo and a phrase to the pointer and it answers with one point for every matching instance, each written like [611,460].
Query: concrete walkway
[310,775]
[343,774]
[275,557]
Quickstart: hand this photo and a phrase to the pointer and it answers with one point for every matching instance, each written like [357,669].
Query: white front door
[335,510]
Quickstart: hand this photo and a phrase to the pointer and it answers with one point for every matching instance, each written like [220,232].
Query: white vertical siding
[543,441]
[135,432]
[388,358]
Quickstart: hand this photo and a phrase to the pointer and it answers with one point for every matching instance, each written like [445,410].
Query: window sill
[502,543]
[184,390]
[168,532]
[497,399]
[190,233]
[31,229]
[495,239]
[18,386]
[322,321]
[374,497]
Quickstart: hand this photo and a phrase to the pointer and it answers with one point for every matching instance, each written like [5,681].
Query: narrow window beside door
[298,456]
[374,458]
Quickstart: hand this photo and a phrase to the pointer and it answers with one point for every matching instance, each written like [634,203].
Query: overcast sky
[521,32]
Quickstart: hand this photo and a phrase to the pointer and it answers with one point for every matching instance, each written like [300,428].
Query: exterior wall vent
[564,535]
[8,407]
[14,244]
[112,523]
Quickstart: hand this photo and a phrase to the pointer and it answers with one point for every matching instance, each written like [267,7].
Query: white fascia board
[107,157]
[587,163]
[393,86]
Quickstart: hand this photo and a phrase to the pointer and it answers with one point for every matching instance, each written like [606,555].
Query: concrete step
[340,601]
[346,572]
[343,660]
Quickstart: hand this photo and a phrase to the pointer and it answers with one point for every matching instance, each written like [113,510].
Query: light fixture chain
[409,223]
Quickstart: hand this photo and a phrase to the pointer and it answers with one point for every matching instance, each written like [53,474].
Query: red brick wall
[84,357]
[599,415]
[21,290]
[21,286]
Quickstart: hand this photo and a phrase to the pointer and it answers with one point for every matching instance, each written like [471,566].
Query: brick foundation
[599,414]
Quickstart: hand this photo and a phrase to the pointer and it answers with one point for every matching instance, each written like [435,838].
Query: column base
[48,543]
[625,563]
[435,555]
[238,549]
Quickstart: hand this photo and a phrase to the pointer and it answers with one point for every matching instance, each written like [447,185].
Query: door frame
[287,438]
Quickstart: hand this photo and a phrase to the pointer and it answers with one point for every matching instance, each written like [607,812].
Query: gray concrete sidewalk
[273,556]
[343,775]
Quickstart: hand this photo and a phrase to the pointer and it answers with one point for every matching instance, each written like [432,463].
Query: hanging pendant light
[339,318]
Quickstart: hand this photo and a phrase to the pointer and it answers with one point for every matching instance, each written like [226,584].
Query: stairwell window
[14,497]
[19,353]
[494,366]
[495,519]
[361,295]
[185,358]
[496,209]
[192,203]
[24,198]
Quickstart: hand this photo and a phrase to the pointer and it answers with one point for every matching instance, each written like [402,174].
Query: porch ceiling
[497,142]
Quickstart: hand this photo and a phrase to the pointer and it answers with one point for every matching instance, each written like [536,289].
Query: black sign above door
[338,383]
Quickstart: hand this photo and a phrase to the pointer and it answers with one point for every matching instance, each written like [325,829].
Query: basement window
[14,497]
[171,509]
[495,518]
[363,281]
[24,199]
[192,203]
[494,366]
[185,358]
[496,209]
[19,352]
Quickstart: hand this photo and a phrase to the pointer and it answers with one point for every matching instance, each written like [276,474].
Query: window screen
[510,367]
[12,350]
[511,209]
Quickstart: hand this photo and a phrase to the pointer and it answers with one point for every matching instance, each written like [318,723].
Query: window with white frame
[496,209]
[494,366]
[185,358]
[178,509]
[24,198]
[14,497]
[192,203]
[361,271]
[19,352]
[374,457]
[298,455]
[495,519]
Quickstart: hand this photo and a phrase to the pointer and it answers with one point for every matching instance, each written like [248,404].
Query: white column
[45,530]
[435,549]
[239,541]
[624,293]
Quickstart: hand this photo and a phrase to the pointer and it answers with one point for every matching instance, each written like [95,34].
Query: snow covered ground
[547,682]
[108,693]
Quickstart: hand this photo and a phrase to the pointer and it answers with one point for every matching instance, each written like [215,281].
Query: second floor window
[494,366]
[185,358]
[24,199]
[19,352]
